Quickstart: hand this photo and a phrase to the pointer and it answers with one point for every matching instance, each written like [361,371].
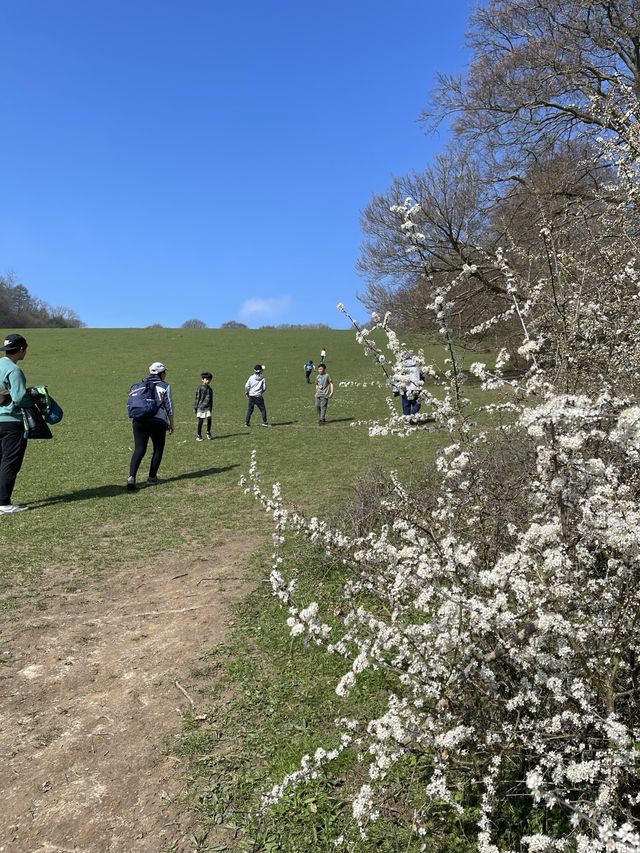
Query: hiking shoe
[209,437]
[199,438]
[131,484]
[7,508]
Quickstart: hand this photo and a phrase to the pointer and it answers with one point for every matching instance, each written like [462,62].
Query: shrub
[504,606]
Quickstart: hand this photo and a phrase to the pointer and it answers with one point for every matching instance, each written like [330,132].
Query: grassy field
[82,519]
[266,700]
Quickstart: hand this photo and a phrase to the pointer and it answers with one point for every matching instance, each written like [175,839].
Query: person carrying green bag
[13,442]
[50,410]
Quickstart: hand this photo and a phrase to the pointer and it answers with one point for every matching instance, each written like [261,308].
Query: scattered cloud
[265,309]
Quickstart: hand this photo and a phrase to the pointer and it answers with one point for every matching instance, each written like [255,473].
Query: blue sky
[163,161]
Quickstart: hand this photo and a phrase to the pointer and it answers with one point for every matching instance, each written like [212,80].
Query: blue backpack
[142,401]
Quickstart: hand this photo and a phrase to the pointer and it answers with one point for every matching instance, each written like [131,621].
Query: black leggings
[200,421]
[142,432]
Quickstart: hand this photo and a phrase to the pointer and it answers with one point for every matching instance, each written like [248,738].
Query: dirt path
[88,696]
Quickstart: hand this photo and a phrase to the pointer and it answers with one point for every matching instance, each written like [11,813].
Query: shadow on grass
[228,435]
[339,420]
[111,490]
[259,423]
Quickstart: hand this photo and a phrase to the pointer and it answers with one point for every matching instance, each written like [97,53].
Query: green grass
[268,700]
[82,519]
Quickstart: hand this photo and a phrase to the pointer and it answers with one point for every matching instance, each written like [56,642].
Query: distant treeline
[297,326]
[234,324]
[20,310]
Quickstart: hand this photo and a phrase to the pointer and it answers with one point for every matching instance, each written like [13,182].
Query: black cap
[13,342]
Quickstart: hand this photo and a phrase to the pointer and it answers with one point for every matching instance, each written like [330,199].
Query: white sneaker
[199,438]
[7,508]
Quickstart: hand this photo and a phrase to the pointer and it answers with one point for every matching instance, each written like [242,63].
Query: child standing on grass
[254,388]
[324,392]
[204,404]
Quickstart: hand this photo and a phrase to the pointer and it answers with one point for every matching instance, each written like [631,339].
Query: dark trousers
[307,373]
[200,422]
[142,432]
[259,402]
[410,407]
[12,447]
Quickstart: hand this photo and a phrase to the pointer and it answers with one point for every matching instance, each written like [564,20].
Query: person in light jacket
[254,388]
[408,384]
[410,395]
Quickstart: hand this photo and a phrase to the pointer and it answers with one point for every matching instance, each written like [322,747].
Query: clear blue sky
[169,160]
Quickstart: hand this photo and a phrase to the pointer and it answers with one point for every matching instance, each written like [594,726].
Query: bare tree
[547,77]
[542,72]
[233,324]
[450,197]
[65,314]
[20,309]
[420,246]
[194,324]
[450,206]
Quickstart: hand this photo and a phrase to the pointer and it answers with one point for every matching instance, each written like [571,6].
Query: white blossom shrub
[504,605]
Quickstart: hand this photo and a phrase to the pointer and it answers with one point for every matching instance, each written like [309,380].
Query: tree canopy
[541,120]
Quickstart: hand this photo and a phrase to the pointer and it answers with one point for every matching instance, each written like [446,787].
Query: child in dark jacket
[204,404]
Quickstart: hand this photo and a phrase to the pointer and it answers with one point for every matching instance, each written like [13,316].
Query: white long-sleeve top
[165,400]
[255,385]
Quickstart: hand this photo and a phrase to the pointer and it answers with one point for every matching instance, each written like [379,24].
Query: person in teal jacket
[12,438]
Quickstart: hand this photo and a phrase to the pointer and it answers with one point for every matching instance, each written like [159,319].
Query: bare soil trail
[90,690]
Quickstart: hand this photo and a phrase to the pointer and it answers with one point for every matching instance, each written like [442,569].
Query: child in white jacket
[254,388]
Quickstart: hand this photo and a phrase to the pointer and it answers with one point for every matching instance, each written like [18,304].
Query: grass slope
[82,520]
[267,700]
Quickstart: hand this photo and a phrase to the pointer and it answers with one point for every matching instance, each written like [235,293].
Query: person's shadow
[111,490]
[227,435]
